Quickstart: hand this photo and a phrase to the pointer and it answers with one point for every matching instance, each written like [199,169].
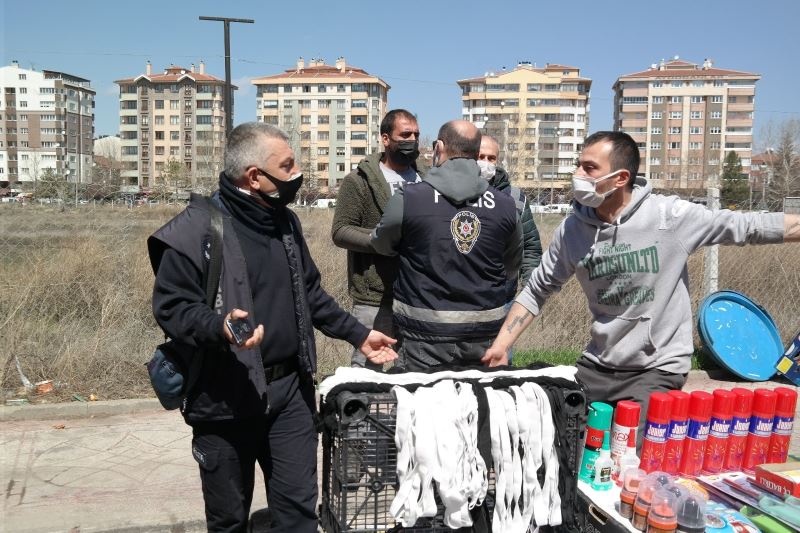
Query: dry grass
[75,304]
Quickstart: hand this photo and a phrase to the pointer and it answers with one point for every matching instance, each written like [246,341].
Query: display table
[600,510]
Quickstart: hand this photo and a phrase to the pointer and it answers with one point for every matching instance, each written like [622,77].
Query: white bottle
[629,459]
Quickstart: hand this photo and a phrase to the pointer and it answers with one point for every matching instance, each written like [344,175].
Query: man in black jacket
[253,402]
[459,241]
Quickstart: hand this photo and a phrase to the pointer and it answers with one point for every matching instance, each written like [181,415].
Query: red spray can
[677,431]
[756,449]
[740,425]
[694,446]
[626,418]
[782,424]
[655,431]
[717,443]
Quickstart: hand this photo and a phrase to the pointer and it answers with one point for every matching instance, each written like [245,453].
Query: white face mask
[584,189]
[487,169]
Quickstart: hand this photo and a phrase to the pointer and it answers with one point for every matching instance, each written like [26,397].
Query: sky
[419,48]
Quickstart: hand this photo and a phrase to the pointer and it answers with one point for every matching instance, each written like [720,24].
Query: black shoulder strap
[211,274]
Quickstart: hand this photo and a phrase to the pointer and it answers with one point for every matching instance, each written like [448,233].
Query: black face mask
[287,190]
[404,152]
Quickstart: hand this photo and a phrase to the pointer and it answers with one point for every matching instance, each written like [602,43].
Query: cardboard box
[789,363]
[780,479]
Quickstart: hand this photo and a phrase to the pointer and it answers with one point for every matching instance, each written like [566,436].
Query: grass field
[75,300]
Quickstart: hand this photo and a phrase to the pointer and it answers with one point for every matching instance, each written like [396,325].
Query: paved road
[121,466]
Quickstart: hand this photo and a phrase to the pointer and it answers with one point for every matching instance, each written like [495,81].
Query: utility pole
[228,89]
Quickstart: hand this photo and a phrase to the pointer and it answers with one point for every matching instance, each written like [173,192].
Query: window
[127,120]
[534,87]
[174,120]
[696,114]
[675,114]
[130,150]
[716,114]
[695,146]
[656,84]
[698,99]
[159,150]
[676,83]
[634,99]
[674,160]
[698,83]
[323,119]
[675,130]
[270,104]
[174,104]
[158,120]
[713,162]
[340,119]
[23,131]
[359,150]
[341,88]
[287,88]
[674,146]
[324,135]
[655,160]
[159,104]
[696,130]
[322,167]
[341,104]
[23,103]
[174,135]
[322,150]
[655,131]
[201,119]
[174,151]
[715,130]
[340,151]
[340,167]
[305,104]
[339,135]
[358,135]
[323,104]
[359,103]
[358,119]
[305,119]
[306,88]
[714,145]
[47,131]
[24,118]
[716,99]
[656,115]
[655,146]
[322,88]
[658,99]
[675,99]
[23,76]
[159,135]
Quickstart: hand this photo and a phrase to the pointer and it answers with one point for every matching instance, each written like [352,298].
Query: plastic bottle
[720,427]
[700,404]
[648,487]
[661,518]
[756,449]
[631,480]
[603,466]
[676,434]
[690,510]
[599,421]
[626,418]
[740,425]
[782,424]
[629,459]
[655,431]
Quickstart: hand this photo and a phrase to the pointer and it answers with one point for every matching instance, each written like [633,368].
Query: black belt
[280,370]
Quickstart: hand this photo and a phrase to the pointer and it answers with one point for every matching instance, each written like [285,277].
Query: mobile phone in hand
[240,330]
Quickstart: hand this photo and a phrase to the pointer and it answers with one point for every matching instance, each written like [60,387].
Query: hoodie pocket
[622,342]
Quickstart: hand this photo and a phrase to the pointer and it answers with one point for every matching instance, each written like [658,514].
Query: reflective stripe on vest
[448,317]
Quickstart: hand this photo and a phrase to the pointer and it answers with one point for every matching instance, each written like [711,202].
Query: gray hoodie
[634,273]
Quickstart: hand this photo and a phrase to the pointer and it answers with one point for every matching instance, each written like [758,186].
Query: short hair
[457,145]
[243,148]
[387,124]
[485,137]
[624,152]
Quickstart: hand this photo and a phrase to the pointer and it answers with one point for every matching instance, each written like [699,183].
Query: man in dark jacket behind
[459,241]
[499,179]
[362,198]
[255,401]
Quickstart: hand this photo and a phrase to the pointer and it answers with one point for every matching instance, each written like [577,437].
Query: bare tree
[209,161]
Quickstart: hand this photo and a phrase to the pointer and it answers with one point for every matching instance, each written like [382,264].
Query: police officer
[459,241]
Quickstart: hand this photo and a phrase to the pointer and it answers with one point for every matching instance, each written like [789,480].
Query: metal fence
[76,289]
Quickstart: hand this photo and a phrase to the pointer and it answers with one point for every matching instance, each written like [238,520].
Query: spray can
[740,425]
[661,517]
[603,466]
[700,404]
[599,421]
[626,418]
[691,513]
[655,431]
[782,424]
[678,424]
[717,443]
[756,448]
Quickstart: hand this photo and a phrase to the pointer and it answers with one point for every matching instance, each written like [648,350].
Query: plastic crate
[359,475]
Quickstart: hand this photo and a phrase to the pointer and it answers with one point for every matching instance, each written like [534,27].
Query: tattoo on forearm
[517,320]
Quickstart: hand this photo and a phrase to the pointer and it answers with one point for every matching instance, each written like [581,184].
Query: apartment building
[539,115]
[686,117]
[331,113]
[46,122]
[172,127]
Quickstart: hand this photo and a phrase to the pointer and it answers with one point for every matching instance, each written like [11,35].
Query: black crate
[359,461]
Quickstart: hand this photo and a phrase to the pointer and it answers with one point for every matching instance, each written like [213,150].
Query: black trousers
[611,386]
[416,355]
[283,442]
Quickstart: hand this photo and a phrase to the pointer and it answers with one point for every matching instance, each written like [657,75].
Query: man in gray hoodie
[629,249]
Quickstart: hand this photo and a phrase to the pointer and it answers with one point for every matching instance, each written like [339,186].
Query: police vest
[452,282]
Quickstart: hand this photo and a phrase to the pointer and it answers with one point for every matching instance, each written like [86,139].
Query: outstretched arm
[791,228]
[517,320]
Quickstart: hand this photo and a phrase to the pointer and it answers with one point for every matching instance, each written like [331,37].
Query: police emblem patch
[465,227]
